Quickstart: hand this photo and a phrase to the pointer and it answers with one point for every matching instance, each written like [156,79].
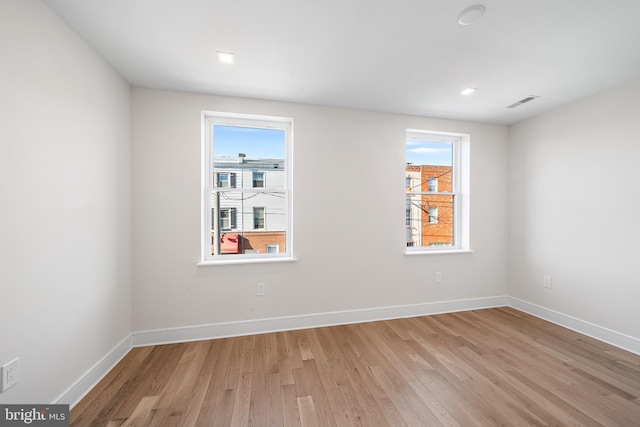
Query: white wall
[575,209]
[65,227]
[565,181]
[349,217]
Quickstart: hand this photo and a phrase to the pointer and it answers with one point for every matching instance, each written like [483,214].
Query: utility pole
[216,222]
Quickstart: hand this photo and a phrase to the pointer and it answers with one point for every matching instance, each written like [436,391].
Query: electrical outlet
[261,289]
[438,277]
[546,281]
[10,374]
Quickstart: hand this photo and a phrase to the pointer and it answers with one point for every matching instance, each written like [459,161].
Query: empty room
[319,213]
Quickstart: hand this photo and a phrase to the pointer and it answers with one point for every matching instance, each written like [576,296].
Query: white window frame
[231,217]
[264,217]
[253,179]
[209,119]
[433,214]
[460,190]
[432,183]
[273,246]
[231,180]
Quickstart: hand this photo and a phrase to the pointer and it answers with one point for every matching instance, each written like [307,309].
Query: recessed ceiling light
[471,14]
[225,57]
[468,90]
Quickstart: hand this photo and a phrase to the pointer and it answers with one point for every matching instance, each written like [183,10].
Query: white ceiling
[404,56]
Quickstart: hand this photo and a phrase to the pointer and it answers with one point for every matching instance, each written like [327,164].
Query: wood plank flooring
[477,368]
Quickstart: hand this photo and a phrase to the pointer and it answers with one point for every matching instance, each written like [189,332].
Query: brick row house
[429,216]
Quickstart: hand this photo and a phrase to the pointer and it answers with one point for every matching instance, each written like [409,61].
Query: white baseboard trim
[80,388]
[600,333]
[259,326]
[97,372]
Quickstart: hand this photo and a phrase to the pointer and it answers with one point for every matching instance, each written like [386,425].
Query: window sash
[429,215]
[258,179]
[226,180]
[258,217]
[228,219]
[459,192]
[433,215]
[209,186]
[223,179]
[433,185]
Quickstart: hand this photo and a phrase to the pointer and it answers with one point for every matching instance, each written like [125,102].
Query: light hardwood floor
[477,368]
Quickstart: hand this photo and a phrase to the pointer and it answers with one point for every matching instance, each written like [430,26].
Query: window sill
[439,252]
[260,260]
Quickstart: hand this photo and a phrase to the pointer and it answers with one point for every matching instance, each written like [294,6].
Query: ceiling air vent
[523,101]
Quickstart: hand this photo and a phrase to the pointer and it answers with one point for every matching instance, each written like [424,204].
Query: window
[407,183]
[437,202]
[258,180]
[258,217]
[227,218]
[433,185]
[433,215]
[226,179]
[241,154]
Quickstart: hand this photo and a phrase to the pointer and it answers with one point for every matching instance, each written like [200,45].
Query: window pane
[225,223]
[430,220]
[223,179]
[430,165]
[433,215]
[430,215]
[249,142]
[258,217]
[429,152]
[258,179]
[248,182]
[243,224]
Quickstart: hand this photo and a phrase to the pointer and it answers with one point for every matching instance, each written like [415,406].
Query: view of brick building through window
[429,216]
